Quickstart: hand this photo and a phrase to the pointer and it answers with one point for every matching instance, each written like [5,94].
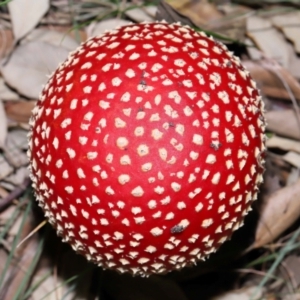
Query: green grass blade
[15,242]
[282,253]
[5,2]
[36,285]
[30,270]
[69,280]
[9,223]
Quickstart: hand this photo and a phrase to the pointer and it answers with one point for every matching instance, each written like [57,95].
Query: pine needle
[37,228]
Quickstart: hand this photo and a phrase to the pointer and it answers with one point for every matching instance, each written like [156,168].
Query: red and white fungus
[146,147]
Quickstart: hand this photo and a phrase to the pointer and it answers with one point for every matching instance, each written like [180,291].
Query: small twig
[19,190]
[252,271]
[36,229]
[293,285]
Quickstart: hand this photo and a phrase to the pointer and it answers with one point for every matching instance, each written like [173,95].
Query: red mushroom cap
[146,147]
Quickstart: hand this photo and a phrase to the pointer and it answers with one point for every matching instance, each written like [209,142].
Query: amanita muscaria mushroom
[146,147]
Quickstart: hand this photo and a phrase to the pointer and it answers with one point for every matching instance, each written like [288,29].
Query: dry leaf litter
[263,259]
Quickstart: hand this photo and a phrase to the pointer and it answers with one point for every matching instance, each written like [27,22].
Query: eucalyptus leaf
[25,15]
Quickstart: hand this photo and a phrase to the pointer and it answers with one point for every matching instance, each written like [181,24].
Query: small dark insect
[177,229]
[143,82]
[216,146]
[171,124]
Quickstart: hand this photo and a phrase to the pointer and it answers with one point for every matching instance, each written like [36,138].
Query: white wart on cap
[146,147]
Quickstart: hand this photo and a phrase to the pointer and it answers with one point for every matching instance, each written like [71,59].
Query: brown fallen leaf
[168,13]
[6,41]
[291,271]
[280,210]
[283,144]
[26,68]
[3,125]
[272,82]
[267,38]
[7,94]
[292,297]
[246,293]
[293,158]
[200,12]
[292,148]
[294,66]
[31,12]
[284,123]
[276,175]
[52,37]
[207,16]
[19,111]
[290,25]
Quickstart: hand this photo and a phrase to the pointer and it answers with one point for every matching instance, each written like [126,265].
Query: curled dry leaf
[53,37]
[291,271]
[294,60]
[15,145]
[206,15]
[293,296]
[291,146]
[6,41]
[17,177]
[25,15]
[280,210]
[3,125]
[290,26]
[5,168]
[202,13]
[252,292]
[272,43]
[293,158]
[19,111]
[28,65]
[168,13]
[268,39]
[6,94]
[283,144]
[284,123]
[271,79]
